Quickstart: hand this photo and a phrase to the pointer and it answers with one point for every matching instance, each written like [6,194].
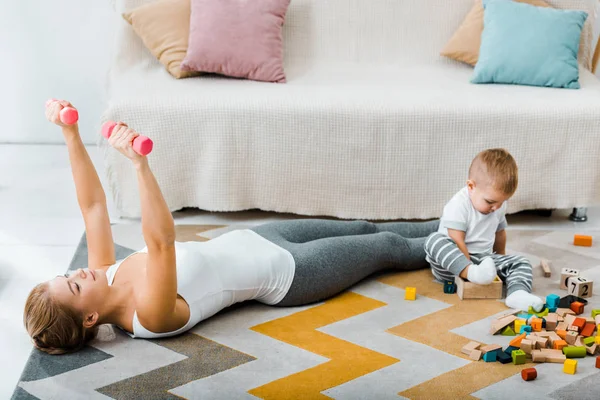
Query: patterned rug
[367,343]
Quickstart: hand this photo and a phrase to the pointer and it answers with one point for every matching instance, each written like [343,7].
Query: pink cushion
[238,38]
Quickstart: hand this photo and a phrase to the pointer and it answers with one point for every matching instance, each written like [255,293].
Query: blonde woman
[168,287]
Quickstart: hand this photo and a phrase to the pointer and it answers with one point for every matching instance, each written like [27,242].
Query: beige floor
[40,227]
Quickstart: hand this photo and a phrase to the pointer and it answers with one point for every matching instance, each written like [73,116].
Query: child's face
[485,198]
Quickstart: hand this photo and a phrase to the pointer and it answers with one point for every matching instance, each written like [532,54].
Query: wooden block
[490,347]
[551,321]
[559,344]
[571,337]
[598,362]
[469,347]
[562,333]
[527,346]
[529,374]
[537,356]
[541,343]
[545,264]
[582,240]
[579,323]
[565,274]
[475,355]
[469,290]
[578,342]
[410,293]
[570,367]
[569,319]
[516,342]
[580,287]
[573,328]
[490,356]
[502,357]
[518,357]
[597,319]
[536,324]
[498,324]
[588,329]
[564,311]
[553,339]
[577,307]
[595,312]
[559,358]
[518,324]
[574,351]
[591,350]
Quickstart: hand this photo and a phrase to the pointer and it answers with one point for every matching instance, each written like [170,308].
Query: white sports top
[237,266]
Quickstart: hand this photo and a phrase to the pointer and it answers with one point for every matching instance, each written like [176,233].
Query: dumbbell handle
[68,115]
[142,145]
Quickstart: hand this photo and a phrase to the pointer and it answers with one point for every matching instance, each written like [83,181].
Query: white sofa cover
[372,124]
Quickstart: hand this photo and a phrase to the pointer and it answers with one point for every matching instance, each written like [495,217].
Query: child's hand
[122,140]
[53,112]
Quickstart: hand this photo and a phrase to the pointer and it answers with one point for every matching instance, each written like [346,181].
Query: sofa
[372,123]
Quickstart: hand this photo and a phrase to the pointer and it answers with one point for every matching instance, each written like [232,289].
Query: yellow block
[570,366]
[518,324]
[597,340]
[411,293]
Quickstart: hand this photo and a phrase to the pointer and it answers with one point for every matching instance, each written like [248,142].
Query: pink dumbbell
[68,115]
[141,144]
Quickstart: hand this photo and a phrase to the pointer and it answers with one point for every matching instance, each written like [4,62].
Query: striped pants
[447,261]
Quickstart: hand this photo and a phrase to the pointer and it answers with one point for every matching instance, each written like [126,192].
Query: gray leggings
[331,256]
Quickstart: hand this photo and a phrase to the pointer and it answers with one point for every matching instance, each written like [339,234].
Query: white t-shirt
[480,229]
[236,266]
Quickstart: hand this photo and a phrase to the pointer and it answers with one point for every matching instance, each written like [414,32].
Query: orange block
[516,342]
[582,240]
[580,323]
[536,324]
[588,329]
[562,334]
[577,307]
[559,344]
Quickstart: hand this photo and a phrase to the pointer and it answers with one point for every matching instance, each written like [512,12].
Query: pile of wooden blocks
[554,335]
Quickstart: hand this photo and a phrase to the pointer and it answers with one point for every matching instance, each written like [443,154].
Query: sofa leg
[579,214]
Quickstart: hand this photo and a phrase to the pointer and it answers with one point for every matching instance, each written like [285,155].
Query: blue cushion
[527,45]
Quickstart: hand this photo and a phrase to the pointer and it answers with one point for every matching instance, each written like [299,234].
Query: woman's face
[83,290]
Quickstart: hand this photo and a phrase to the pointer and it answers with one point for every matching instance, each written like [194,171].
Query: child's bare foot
[483,273]
[522,300]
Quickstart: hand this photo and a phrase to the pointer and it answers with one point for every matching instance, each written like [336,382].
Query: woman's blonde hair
[54,327]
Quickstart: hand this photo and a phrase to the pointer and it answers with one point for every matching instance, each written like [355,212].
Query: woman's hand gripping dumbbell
[125,139]
[68,115]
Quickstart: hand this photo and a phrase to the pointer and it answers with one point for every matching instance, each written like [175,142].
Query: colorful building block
[577,307]
[552,300]
[490,356]
[565,302]
[595,312]
[540,314]
[559,344]
[502,357]
[598,362]
[588,341]
[518,357]
[449,287]
[574,351]
[579,323]
[588,329]
[565,274]
[410,293]
[536,324]
[597,340]
[582,240]
[570,366]
[526,329]
[518,324]
[529,374]
[510,349]
[508,331]
[516,342]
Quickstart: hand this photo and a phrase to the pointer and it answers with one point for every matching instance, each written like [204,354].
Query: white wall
[52,48]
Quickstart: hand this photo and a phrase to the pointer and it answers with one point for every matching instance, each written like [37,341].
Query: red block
[577,307]
[588,329]
[598,362]
[580,323]
[529,374]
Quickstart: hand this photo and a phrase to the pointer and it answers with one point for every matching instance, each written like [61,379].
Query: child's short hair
[497,168]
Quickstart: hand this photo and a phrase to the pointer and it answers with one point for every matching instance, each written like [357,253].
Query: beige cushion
[464,44]
[164,28]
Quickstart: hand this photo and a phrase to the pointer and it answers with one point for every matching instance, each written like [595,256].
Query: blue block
[525,329]
[503,358]
[552,309]
[524,315]
[490,356]
[510,349]
[449,287]
[552,301]
[544,323]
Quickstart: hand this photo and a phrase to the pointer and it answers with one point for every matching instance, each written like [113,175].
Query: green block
[574,351]
[519,357]
[595,312]
[588,341]
[540,314]
[508,331]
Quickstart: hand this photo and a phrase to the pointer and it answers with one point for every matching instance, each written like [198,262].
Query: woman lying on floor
[168,287]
